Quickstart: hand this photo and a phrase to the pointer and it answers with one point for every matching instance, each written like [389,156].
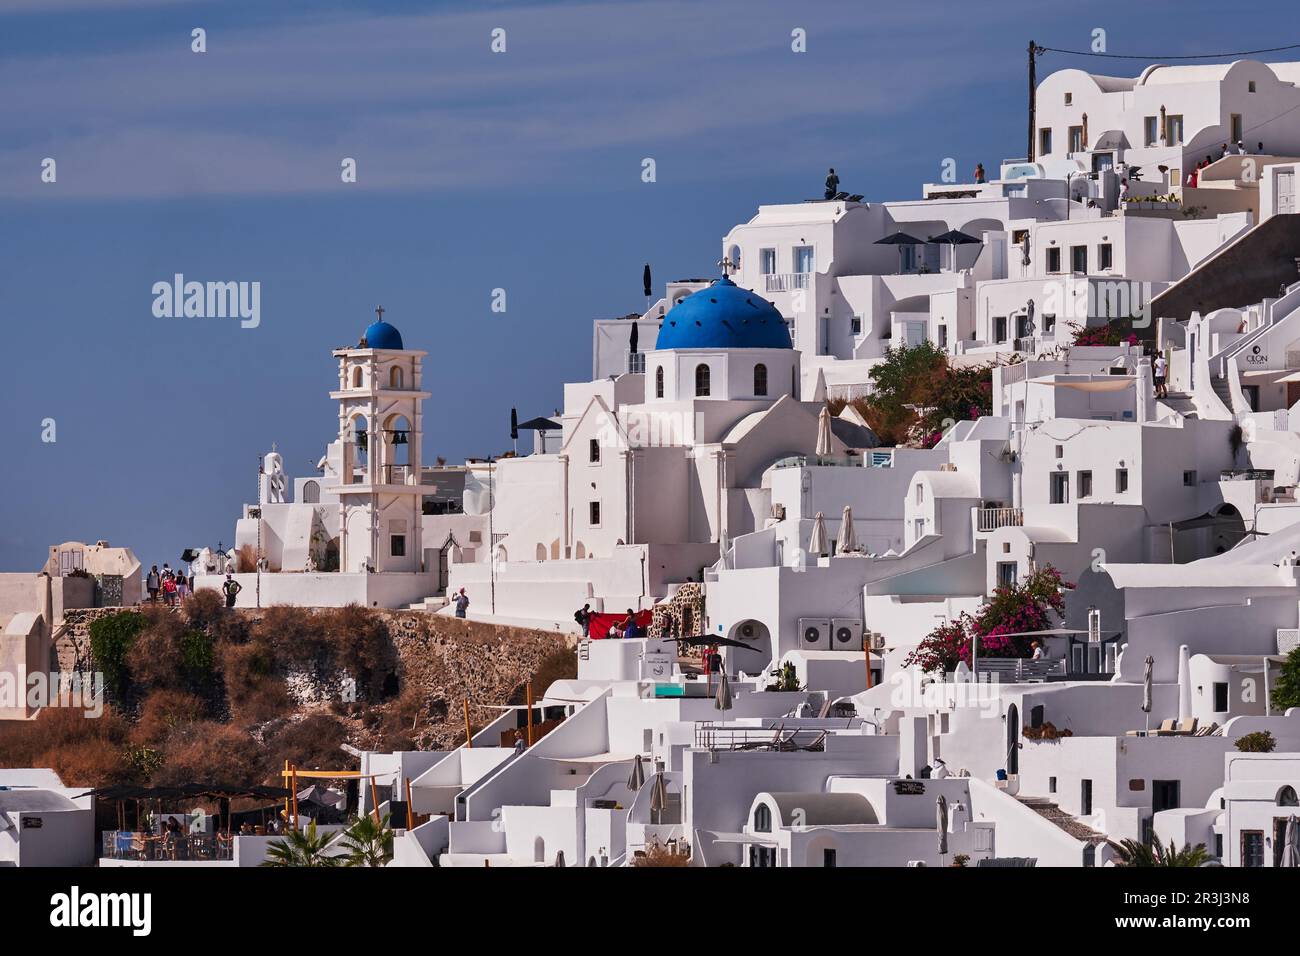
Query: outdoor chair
[1186,727]
[1166,727]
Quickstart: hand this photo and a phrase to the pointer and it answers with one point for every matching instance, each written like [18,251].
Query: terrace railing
[990,519]
[785,281]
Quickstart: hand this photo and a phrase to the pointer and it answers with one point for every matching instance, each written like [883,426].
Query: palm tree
[1133,853]
[302,848]
[369,842]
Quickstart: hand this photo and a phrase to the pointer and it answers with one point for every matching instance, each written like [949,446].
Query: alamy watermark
[208,300]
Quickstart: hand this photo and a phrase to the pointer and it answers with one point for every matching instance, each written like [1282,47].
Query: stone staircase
[1181,403]
[1052,813]
[430,604]
[1221,388]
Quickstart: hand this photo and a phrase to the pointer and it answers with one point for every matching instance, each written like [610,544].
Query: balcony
[990,519]
[785,281]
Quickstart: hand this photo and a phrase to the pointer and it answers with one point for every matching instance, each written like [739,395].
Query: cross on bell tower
[727,266]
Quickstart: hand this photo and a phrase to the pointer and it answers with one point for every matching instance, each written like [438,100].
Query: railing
[136,845]
[990,519]
[785,281]
[1246,474]
[1018,669]
[1288,639]
[710,736]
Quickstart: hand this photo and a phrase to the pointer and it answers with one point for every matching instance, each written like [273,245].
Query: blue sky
[475,171]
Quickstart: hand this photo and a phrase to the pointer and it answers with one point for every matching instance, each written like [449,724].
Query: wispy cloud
[422,103]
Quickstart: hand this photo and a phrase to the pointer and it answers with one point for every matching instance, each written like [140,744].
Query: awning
[1115,383]
[720,837]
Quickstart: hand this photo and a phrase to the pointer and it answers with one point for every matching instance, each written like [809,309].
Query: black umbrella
[900,239]
[633,339]
[514,424]
[645,279]
[955,238]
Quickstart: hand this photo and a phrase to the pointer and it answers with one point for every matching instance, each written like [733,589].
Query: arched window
[395,377]
[701,380]
[1286,797]
[659,382]
[760,379]
[311,492]
[356,377]
[762,818]
[734,255]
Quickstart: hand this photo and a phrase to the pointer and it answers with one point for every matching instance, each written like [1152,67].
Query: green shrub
[1260,742]
[111,638]
[1286,692]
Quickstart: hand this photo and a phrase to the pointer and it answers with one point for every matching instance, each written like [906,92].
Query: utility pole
[1034,50]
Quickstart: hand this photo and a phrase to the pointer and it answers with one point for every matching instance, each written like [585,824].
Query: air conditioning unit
[747,631]
[815,633]
[846,634]
[877,641]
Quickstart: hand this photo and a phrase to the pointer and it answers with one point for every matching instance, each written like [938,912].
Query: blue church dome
[381,335]
[723,316]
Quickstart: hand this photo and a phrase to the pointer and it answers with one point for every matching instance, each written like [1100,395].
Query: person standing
[979,172]
[169,589]
[583,617]
[462,603]
[1160,367]
[832,184]
[182,587]
[231,588]
[152,582]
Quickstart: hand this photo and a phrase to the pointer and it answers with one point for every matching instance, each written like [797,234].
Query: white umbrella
[658,794]
[1146,690]
[847,542]
[941,820]
[636,779]
[817,540]
[824,432]
[723,700]
[559,859]
[1291,844]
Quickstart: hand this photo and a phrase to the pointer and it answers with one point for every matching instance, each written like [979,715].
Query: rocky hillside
[203,693]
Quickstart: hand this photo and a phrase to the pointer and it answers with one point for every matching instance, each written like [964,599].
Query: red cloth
[600,624]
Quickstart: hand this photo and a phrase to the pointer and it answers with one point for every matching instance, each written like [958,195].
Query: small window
[1049,322]
[999,328]
[828,858]
[1252,848]
[1054,260]
[1069,99]
[659,382]
[1060,451]
[1189,478]
[1104,256]
[1079,259]
[1150,130]
[855,325]
[593,450]
[1221,698]
[593,514]
[943,336]
[397,545]
[1007,574]
[803,259]
[1085,484]
[762,818]
[1250,88]
[920,493]
[395,377]
[356,377]
[1235,126]
[1051,785]
[1060,489]
[1121,480]
[760,379]
[701,380]
[1044,141]
[767,261]
[1076,139]
[1175,126]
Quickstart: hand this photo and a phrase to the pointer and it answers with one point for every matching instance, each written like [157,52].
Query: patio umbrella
[941,821]
[645,280]
[823,432]
[1146,690]
[514,424]
[900,239]
[817,540]
[633,339]
[636,779]
[954,238]
[1291,844]
[658,794]
[559,859]
[847,542]
[723,700]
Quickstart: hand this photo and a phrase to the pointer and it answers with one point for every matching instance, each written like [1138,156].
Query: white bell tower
[380,422]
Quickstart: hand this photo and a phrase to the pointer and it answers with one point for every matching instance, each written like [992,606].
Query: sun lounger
[1166,727]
